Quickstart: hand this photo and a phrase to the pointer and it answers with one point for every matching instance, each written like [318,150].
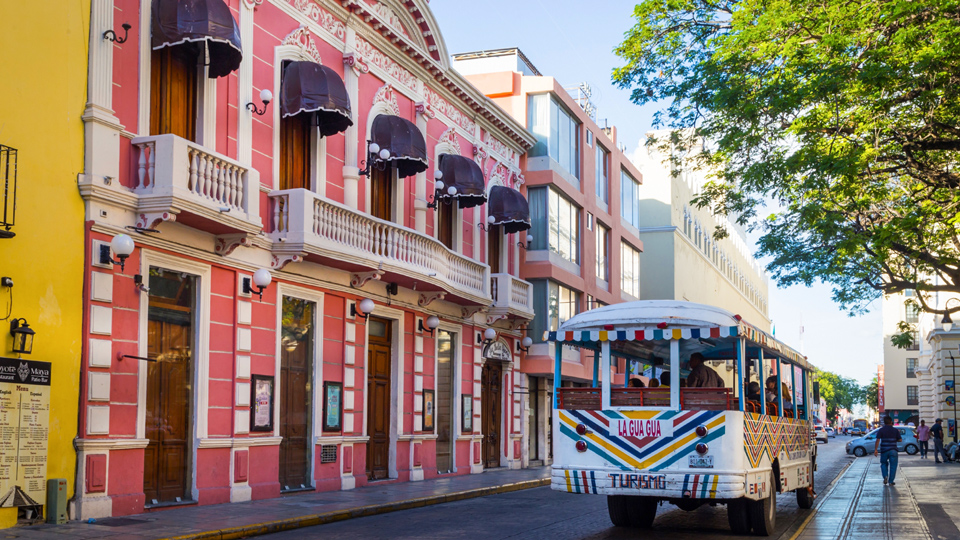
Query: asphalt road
[543,513]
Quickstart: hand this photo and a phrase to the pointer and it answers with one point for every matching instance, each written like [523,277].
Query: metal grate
[8,189]
[328,453]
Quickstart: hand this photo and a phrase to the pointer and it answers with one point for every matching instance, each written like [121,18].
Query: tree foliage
[841,119]
[837,392]
[871,394]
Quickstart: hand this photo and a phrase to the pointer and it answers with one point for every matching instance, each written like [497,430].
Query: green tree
[839,120]
[871,394]
[837,392]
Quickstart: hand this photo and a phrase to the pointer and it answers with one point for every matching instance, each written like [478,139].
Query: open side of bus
[685,445]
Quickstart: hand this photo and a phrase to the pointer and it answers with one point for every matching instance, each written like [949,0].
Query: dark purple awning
[408,150]
[309,88]
[209,22]
[509,209]
[465,175]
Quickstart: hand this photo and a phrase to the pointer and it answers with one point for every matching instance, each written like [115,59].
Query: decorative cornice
[375,57]
[385,95]
[322,17]
[237,442]
[444,108]
[93,445]
[301,38]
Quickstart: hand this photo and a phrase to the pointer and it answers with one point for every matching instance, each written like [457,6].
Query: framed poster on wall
[332,406]
[467,408]
[261,401]
[428,410]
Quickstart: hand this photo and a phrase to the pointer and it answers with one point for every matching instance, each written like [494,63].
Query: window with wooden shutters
[381,193]
[173,91]
[446,215]
[494,243]
[295,151]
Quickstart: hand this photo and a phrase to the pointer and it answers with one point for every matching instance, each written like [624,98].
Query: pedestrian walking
[936,431]
[923,436]
[887,439]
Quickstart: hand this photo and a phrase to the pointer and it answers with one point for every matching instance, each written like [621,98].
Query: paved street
[542,513]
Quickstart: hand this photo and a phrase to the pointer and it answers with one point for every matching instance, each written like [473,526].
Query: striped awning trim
[643,334]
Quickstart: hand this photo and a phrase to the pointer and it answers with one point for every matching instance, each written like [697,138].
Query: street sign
[949,384]
[950,400]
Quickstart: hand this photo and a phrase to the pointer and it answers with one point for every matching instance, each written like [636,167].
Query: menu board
[24,423]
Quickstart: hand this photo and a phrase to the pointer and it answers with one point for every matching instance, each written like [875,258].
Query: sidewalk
[860,507]
[242,520]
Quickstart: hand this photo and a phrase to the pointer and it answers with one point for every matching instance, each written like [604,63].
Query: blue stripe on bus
[690,425]
[596,449]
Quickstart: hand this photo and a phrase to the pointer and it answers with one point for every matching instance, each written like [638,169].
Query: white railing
[168,165]
[301,216]
[511,292]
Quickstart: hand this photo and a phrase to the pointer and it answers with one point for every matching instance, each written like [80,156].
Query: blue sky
[573,42]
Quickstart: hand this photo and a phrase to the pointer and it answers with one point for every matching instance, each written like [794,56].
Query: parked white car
[831,433]
[820,434]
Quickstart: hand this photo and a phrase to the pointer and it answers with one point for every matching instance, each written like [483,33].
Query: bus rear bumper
[663,485]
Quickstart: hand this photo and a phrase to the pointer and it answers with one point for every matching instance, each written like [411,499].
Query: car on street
[831,433]
[820,434]
[856,432]
[863,446]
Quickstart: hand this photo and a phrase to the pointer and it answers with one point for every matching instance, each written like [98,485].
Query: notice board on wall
[24,426]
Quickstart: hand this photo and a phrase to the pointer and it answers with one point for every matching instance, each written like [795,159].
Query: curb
[268,527]
[794,533]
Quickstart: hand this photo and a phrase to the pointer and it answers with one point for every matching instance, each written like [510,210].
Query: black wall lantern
[22,336]
[376,157]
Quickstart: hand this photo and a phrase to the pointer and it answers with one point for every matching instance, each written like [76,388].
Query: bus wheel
[763,514]
[619,509]
[738,517]
[805,496]
[643,512]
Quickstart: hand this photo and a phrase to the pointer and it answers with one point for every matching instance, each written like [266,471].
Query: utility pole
[953,371]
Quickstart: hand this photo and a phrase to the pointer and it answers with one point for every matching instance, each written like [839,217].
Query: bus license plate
[701,462]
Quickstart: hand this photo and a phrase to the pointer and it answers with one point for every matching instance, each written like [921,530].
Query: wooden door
[378,398]
[490,412]
[296,400]
[295,152]
[173,91]
[446,221]
[446,392]
[494,241]
[381,193]
[169,384]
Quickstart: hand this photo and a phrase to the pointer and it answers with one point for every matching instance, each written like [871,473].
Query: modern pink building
[300,308]
[585,207]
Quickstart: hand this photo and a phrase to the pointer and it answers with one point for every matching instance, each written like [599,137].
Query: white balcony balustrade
[183,181]
[511,296]
[339,236]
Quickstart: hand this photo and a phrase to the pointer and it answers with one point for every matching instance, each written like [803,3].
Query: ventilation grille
[328,453]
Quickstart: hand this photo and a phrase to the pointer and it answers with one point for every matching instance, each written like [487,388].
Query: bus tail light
[702,448]
[701,431]
[581,430]
[581,446]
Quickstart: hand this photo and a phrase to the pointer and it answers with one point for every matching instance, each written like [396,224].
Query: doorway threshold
[169,504]
[296,490]
[494,469]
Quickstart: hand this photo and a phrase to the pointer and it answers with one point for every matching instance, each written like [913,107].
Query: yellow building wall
[44,73]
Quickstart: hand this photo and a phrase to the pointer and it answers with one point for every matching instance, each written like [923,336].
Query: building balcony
[307,226]
[178,180]
[512,297]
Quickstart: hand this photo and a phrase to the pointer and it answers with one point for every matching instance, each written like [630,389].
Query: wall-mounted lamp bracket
[110,35]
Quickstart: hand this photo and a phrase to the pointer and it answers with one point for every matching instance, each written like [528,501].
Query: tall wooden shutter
[381,193]
[173,91]
[446,215]
[295,152]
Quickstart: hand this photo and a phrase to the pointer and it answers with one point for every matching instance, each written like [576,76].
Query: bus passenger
[636,383]
[654,383]
[753,392]
[701,375]
[665,378]
[771,385]
[787,397]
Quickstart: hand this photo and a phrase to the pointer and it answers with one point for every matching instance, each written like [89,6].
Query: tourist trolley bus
[687,446]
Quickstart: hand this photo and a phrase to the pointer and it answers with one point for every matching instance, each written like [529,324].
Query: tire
[763,515]
[805,496]
[632,511]
[619,510]
[643,512]
[738,516]
[859,451]
[911,449]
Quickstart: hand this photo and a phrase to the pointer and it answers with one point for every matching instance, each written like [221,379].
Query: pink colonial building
[302,231]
